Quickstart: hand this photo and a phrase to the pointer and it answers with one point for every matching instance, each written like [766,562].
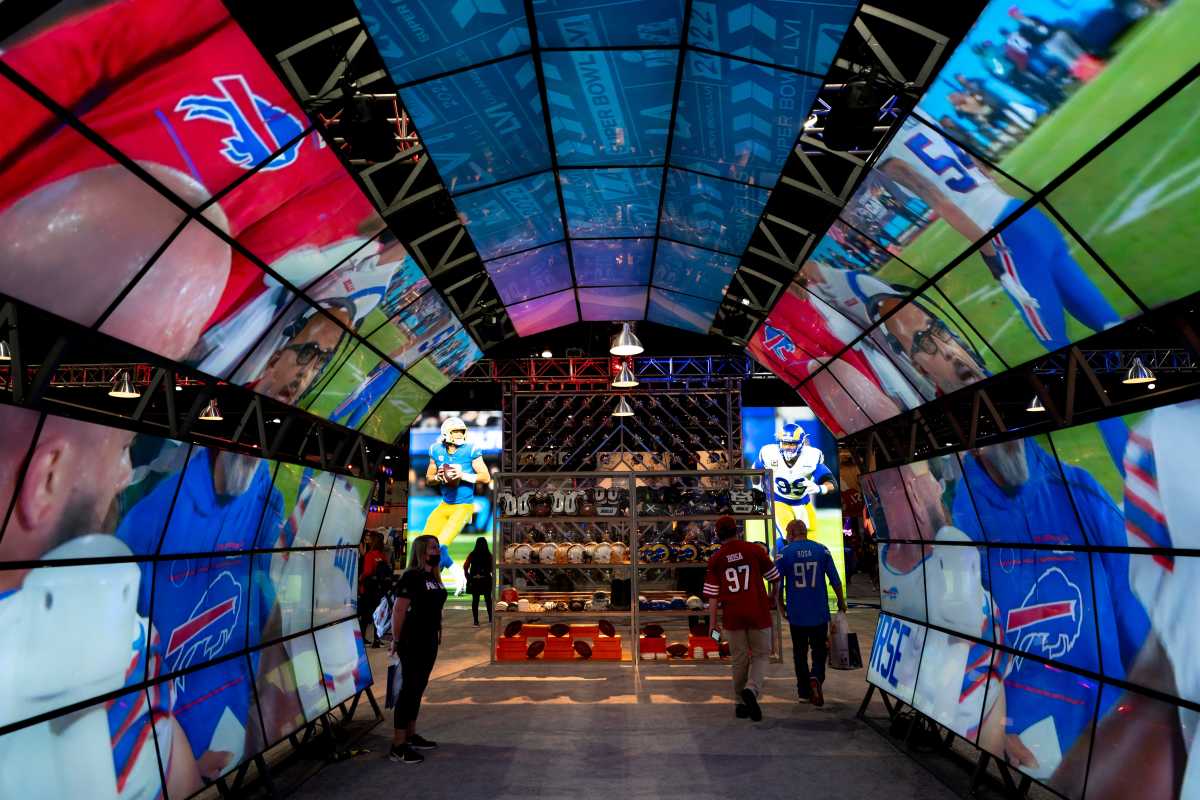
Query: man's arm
[955,217]
[431,473]
[711,589]
[399,612]
[834,580]
[482,475]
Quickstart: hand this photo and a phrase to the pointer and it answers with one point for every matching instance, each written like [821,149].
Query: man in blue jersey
[1046,599]
[205,606]
[805,566]
[455,466]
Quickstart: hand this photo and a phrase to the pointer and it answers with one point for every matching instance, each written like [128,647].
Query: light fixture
[211,413]
[276,420]
[1150,386]
[547,354]
[626,343]
[625,378]
[5,353]
[1138,373]
[1036,404]
[178,388]
[122,386]
[623,409]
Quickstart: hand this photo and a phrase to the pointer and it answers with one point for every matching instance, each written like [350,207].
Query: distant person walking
[372,582]
[416,634]
[478,569]
[734,582]
[805,565]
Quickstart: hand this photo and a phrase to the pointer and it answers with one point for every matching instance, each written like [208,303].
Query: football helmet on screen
[792,439]
[454,431]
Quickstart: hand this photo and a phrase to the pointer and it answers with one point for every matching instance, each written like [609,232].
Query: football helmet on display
[620,553]
[791,440]
[644,554]
[562,605]
[524,606]
[509,595]
[657,553]
[509,553]
[606,628]
[541,505]
[608,502]
[523,554]
[501,605]
[677,650]
[575,605]
[589,551]
[686,552]
[513,628]
[547,553]
[575,554]
[603,553]
[600,600]
[588,605]
[678,604]
[586,507]
[535,648]
[561,556]
[694,603]
[643,603]
[507,503]
[582,648]
[652,631]
[760,501]
[741,501]
[660,605]
[524,501]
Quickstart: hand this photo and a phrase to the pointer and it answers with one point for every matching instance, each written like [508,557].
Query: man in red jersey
[735,583]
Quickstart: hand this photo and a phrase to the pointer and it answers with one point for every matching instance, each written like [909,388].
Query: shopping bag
[382,618]
[856,661]
[839,642]
[394,678]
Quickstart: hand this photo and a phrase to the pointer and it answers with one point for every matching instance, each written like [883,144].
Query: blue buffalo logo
[1050,618]
[258,127]
[210,626]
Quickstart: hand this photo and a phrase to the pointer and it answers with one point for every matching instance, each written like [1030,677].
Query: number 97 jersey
[789,482]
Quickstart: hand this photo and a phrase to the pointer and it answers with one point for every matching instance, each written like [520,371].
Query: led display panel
[335,585]
[483,125]
[514,216]
[799,34]
[611,202]
[420,40]
[612,262]
[347,512]
[610,108]
[955,680]
[544,313]
[345,670]
[536,272]
[289,583]
[455,354]
[888,507]
[902,579]
[1136,729]
[348,392]
[627,23]
[304,494]
[690,270]
[737,120]
[896,656]
[612,303]
[397,411]
[715,214]
[415,330]
[681,310]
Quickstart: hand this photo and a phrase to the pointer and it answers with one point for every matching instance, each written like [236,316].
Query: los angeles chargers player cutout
[455,466]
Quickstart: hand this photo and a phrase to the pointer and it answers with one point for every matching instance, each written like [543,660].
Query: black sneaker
[740,711]
[405,755]
[818,697]
[418,742]
[752,708]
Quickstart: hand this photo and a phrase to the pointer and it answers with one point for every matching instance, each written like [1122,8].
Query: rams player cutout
[455,466]
[798,472]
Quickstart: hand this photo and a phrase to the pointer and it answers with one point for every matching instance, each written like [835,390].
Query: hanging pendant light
[623,408]
[5,353]
[211,413]
[625,378]
[1036,404]
[122,386]
[626,343]
[1138,373]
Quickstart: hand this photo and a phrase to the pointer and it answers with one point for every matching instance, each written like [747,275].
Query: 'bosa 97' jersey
[790,480]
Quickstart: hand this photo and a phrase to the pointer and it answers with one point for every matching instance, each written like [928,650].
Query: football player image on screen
[455,466]
[1045,601]
[55,516]
[798,473]
[1162,510]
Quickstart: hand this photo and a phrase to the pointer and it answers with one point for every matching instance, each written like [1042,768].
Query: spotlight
[625,378]
[276,421]
[211,413]
[623,409]
[178,388]
[547,354]
[123,386]
[626,343]
[1138,373]
[5,353]
[1036,404]
[1150,386]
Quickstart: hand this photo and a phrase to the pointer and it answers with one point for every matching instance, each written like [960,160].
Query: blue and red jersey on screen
[1048,601]
[208,606]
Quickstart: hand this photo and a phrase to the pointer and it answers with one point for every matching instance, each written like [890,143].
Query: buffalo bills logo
[259,127]
[1050,618]
[778,342]
[209,628]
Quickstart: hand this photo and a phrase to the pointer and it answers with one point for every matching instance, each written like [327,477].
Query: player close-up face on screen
[934,351]
[295,366]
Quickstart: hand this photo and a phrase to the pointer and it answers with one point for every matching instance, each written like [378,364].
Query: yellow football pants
[785,513]
[446,521]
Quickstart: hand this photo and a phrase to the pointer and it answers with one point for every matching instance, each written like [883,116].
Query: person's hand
[213,763]
[1018,292]
[812,488]
[842,606]
[453,472]
[1017,754]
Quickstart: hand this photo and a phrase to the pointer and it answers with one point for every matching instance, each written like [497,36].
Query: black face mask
[433,560]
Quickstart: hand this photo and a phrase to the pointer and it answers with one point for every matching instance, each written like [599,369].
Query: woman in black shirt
[416,634]
[478,568]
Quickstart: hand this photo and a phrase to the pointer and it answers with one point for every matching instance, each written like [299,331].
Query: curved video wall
[1037,600]
[168,610]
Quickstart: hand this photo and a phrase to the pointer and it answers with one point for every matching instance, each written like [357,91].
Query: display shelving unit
[655,581]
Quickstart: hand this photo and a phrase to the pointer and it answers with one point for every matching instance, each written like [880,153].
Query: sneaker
[404,754]
[752,708]
[740,711]
[818,697]
[804,697]
[418,742]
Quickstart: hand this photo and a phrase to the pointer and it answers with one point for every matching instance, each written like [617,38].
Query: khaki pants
[750,649]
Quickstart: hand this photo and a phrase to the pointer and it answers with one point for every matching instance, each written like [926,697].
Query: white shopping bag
[839,642]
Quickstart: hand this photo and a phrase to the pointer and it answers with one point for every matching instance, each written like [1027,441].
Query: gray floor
[590,730]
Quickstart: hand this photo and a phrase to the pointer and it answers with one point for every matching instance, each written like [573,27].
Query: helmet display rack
[629,548]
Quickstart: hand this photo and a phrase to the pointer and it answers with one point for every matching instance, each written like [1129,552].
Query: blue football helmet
[792,440]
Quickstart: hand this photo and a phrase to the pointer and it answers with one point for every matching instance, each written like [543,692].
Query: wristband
[467,476]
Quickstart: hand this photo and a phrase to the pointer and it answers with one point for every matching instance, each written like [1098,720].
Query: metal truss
[1162,359]
[91,376]
[550,373]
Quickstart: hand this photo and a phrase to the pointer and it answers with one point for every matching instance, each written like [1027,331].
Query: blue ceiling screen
[617,23]
[612,262]
[513,216]
[799,34]
[712,213]
[693,271]
[611,202]
[532,273]
[681,311]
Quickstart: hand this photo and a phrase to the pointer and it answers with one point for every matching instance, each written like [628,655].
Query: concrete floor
[593,730]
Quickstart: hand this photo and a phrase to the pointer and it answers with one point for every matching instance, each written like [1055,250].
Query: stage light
[625,378]
[123,387]
[626,343]
[211,413]
[623,409]
[547,354]
[5,353]
[276,420]
[1036,404]
[1138,373]
[1150,386]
